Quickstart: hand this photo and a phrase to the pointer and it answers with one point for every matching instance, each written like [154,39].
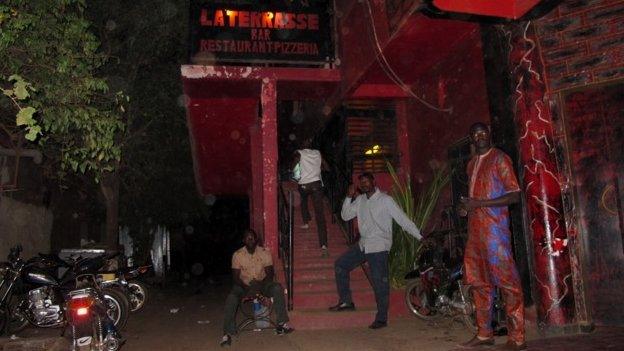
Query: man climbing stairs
[314,280]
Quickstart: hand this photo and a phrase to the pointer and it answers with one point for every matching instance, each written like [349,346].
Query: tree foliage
[52,95]
[64,64]
[147,44]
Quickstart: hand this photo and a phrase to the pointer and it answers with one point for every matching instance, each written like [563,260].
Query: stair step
[334,253]
[327,285]
[314,263]
[363,299]
[320,318]
[312,239]
[337,249]
[317,247]
[323,274]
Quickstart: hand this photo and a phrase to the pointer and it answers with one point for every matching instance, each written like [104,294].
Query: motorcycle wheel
[4,321]
[111,344]
[470,320]
[118,307]
[417,301]
[137,295]
[17,321]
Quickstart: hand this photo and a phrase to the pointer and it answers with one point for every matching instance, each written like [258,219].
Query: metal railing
[336,185]
[285,240]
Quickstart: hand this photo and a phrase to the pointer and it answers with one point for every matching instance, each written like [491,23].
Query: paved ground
[185,318]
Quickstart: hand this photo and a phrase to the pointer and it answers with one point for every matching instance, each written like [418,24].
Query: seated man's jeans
[268,289]
[378,263]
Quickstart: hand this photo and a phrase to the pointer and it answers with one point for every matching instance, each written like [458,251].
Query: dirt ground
[190,318]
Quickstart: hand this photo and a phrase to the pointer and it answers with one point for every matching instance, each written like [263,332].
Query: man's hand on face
[351,192]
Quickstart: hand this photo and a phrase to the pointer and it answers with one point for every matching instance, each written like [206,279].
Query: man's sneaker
[226,340]
[304,226]
[324,251]
[283,329]
[343,306]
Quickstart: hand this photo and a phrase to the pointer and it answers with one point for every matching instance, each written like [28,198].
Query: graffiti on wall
[541,180]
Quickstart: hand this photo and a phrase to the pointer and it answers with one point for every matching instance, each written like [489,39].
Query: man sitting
[252,272]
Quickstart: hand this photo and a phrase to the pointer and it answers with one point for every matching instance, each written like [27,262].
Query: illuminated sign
[261,31]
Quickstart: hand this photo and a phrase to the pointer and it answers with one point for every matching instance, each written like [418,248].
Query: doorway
[595,132]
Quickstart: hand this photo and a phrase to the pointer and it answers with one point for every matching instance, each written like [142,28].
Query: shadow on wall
[25,224]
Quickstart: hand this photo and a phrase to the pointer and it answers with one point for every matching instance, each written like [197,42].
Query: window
[372,139]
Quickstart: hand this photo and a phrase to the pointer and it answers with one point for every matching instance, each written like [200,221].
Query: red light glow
[79,305]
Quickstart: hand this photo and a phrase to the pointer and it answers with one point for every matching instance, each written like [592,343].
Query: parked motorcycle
[124,279]
[32,295]
[435,287]
[91,327]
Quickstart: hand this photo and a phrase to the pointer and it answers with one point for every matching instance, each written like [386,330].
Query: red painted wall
[431,132]
[357,52]
[219,131]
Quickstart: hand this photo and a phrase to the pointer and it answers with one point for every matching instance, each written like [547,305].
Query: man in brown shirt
[252,272]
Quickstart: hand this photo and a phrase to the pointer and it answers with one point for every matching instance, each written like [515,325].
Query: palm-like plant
[405,248]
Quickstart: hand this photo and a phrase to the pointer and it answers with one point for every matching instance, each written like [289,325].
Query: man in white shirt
[375,211]
[310,162]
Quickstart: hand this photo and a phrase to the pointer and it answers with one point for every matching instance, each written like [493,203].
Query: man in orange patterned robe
[488,260]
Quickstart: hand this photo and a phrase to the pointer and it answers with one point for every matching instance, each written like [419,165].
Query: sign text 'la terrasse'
[261,25]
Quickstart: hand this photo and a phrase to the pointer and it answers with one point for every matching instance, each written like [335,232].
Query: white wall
[25,224]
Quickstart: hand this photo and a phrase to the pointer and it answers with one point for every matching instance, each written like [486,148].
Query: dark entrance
[595,128]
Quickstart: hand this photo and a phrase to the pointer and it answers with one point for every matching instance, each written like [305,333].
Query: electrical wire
[385,66]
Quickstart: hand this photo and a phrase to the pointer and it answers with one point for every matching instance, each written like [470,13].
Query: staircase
[314,281]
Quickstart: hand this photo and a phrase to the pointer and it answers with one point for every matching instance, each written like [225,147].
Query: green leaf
[33,132]
[24,116]
[15,77]
[20,89]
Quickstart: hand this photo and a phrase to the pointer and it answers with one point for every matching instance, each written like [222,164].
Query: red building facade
[551,82]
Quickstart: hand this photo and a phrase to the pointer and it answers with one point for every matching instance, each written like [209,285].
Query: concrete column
[268,104]
[541,178]
[256,193]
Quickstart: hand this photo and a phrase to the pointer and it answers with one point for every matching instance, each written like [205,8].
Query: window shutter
[372,140]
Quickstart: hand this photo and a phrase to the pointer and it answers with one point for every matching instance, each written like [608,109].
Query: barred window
[372,139]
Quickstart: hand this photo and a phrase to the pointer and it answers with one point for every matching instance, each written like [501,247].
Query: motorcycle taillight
[79,305]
